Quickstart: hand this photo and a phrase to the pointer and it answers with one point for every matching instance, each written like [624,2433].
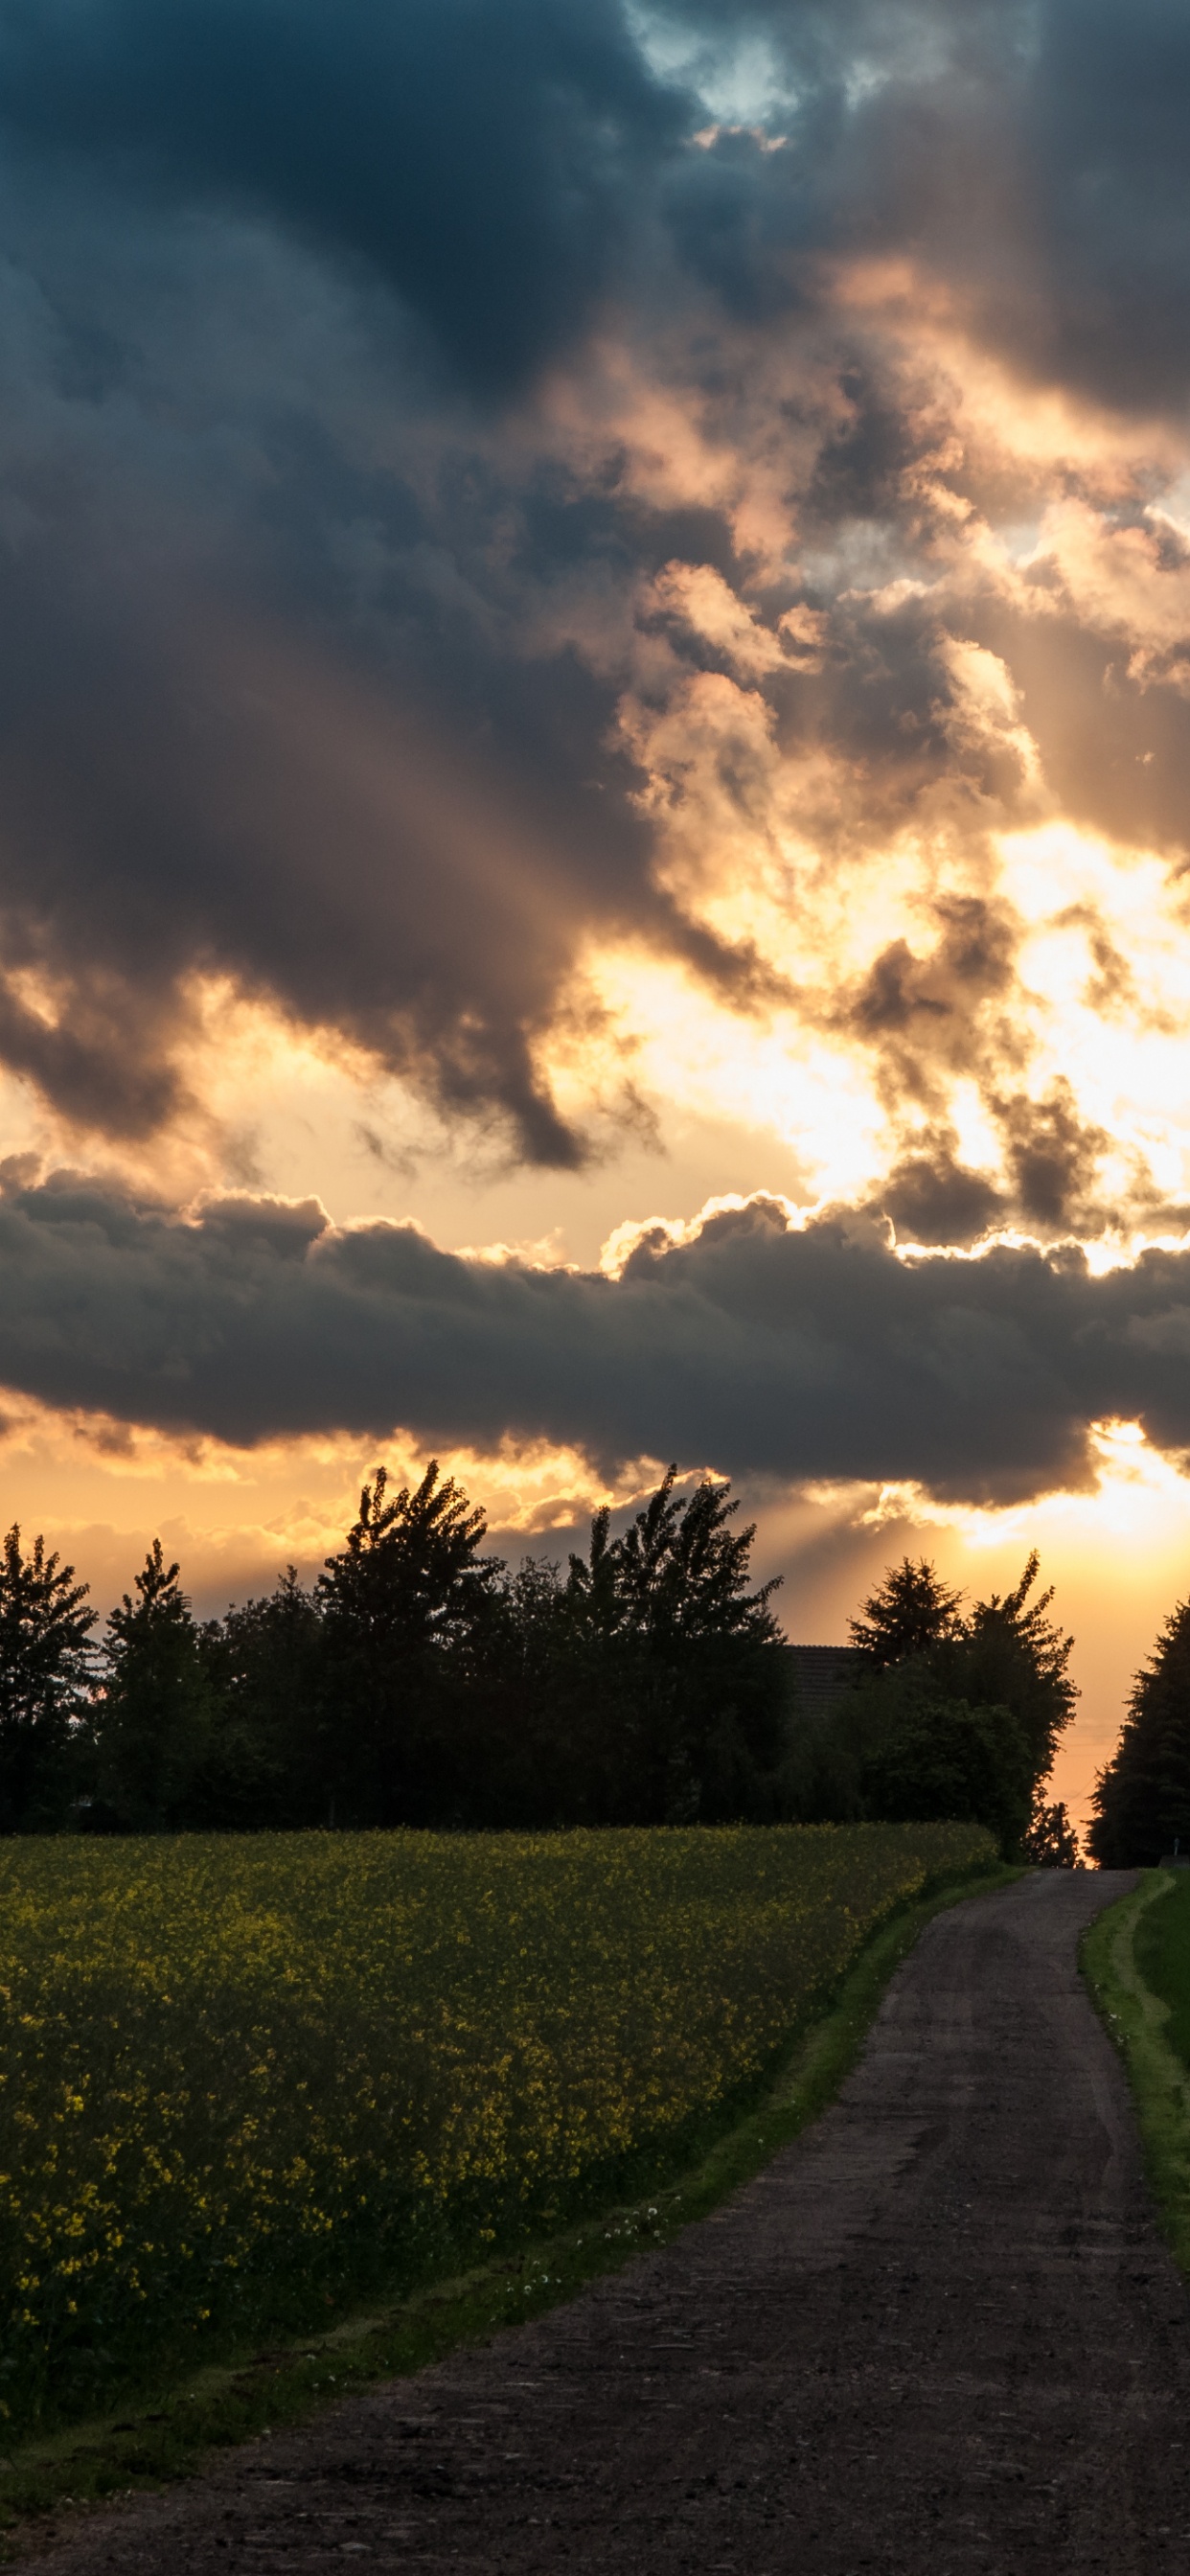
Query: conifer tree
[153,1723]
[46,1672]
[909,1612]
[1142,1796]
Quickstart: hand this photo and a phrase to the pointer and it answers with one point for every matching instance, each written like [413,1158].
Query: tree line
[420,1681]
[952,1712]
[1142,1796]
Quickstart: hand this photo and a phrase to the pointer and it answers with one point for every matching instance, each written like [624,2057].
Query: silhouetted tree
[928,1755]
[908,1613]
[686,1681]
[1142,1796]
[522,1742]
[649,1686]
[1010,1654]
[263,1763]
[1051,1841]
[154,1721]
[968,1708]
[1006,1652]
[46,1673]
[398,1606]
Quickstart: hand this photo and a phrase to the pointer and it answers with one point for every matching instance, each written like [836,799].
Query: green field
[244,2081]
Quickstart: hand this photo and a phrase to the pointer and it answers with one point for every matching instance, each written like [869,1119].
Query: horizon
[594,746]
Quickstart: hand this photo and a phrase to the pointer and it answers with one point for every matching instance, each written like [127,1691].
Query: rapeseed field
[244,2078]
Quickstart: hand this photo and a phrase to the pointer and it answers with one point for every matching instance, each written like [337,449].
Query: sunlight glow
[1139,1504]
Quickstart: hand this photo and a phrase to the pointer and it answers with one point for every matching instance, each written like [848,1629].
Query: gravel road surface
[940,2334]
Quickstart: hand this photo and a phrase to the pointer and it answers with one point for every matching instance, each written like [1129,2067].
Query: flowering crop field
[244,2079]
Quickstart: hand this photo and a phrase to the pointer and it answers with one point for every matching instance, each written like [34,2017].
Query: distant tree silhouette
[1011,1652]
[154,1721]
[966,1708]
[46,1673]
[682,1574]
[420,1682]
[685,1678]
[909,1612]
[264,1663]
[399,1605]
[1142,1796]
[1051,1841]
[929,1755]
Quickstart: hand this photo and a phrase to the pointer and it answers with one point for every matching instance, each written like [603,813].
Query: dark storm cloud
[482,159]
[236,807]
[1035,153]
[933,1198]
[490,162]
[281,696]
[312,635]
[750,1348]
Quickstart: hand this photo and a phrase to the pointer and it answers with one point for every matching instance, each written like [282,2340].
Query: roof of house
[824,1671]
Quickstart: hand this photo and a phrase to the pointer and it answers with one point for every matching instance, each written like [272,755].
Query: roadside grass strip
[263,2387]
[1142,2023]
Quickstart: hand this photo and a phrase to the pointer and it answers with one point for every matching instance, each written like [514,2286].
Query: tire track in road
[939,2336]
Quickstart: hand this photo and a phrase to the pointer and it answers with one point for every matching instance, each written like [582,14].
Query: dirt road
[938,2335]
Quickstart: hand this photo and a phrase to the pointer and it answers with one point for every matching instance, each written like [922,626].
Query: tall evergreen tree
[46,1674]
[1142,1796]
[154,1721]
[908,1613]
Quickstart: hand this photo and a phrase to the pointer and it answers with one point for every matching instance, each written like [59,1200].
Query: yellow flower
[247,2068]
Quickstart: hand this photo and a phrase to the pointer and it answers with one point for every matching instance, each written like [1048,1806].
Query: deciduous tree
[686,1681]
[399,1604]
[977,1700]
[264,1662]
[1052,1841]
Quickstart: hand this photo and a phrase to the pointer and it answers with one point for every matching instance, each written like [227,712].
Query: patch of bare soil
[939,2335]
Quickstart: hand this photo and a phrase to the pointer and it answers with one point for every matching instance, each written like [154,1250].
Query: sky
[595,783]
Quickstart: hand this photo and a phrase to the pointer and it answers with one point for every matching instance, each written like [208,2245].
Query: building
[822,1672]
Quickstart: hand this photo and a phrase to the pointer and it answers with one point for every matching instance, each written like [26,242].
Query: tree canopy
[422,1681]
[152,1721]
[955,1709]
[398,1607]
[911,1611]
[46,1673]
[1142,1796]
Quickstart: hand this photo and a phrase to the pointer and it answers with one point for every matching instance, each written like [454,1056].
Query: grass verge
[1137,2020]
[263,2391]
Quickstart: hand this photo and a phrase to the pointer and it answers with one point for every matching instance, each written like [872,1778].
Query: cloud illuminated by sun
[296,1495]
[1139,1503]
